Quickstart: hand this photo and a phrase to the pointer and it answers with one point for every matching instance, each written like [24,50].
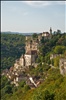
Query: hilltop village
[16,73]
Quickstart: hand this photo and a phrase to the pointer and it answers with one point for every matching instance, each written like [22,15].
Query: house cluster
[17,72]
[31,48]
[46,35]
[17,76]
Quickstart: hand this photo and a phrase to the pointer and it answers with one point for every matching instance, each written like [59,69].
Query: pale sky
[33,16]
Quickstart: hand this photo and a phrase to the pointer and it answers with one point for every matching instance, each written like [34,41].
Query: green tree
[34,35]
[22,83]
[59,49]
[8,89]
[56,62]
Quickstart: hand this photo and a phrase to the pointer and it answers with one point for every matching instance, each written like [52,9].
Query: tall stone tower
[50,32]
[31,49]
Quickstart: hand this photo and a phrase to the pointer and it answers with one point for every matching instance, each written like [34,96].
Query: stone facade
[30,57]
[53,56]
[33,45]
[22,61]
[27,59]
[31,51]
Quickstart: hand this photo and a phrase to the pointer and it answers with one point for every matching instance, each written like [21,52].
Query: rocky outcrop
[62,66]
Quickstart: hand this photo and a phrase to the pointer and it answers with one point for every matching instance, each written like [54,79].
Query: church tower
[50,32]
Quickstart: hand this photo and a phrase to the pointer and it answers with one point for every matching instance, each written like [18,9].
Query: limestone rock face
[62,66]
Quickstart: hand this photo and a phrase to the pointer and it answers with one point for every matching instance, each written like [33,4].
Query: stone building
[22,60]
[46,35]
[53,56]
[31,53]
[31,48]
[30,57]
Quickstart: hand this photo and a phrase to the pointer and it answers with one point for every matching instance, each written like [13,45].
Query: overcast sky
[33,16]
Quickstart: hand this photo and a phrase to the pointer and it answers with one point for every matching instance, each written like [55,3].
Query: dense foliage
[12,47]
[34,35]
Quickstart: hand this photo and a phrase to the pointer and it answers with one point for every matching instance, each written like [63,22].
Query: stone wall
[62,66]
[27,60]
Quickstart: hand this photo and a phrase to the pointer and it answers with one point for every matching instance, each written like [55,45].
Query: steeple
[50,30]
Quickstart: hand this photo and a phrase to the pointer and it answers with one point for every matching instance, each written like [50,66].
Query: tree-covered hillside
[12,47]
[47,47]
[53,85]
[53,88]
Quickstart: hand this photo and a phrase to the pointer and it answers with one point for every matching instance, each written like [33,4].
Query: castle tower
[28,46]
[31,51]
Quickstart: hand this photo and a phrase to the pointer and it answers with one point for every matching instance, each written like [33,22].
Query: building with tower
[31,50]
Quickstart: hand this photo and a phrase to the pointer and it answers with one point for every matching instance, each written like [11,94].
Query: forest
[12,47]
